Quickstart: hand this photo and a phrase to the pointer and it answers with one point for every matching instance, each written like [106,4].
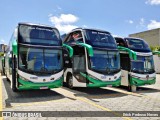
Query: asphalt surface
[81,103]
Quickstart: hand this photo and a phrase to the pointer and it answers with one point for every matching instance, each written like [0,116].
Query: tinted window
[120,42]
[137,44]
[39,35]
[125,61]
[100,39]
[36,60]
[105,61]
[74,37]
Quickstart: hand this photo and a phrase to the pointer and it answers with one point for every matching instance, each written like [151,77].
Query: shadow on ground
[94,93]
[147,90]
[28,96]
[143,89]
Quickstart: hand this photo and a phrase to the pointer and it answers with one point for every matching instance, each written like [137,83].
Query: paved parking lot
[97,100]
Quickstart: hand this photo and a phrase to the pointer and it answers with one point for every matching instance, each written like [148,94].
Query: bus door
[79,63]
[125,67]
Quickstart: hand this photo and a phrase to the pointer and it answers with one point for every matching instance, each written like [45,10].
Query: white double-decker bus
[136,62]
[33,59]
[95,61]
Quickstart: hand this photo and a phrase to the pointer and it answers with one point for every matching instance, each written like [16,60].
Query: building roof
[145,31]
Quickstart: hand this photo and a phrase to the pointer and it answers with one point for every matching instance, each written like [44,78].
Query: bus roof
[81,28]
[34,24]
[64,36]
[137,47]
[129,38]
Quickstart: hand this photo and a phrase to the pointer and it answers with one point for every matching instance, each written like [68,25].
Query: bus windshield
[137,44]
[106,62]
[100,39]
[40,60]
[143,64]
[39,35]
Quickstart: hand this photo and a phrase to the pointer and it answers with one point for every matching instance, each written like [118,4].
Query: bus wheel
[13,84]
[70,81]
[133,88]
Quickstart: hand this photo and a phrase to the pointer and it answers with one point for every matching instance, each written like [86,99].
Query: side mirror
[70,49]
[89,48]
[15,47]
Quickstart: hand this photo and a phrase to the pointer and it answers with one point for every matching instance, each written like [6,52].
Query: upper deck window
[137,44]
[38,35]
[100,39]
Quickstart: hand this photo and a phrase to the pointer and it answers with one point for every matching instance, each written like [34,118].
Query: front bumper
[27,85]
[139,82]
[98,83]
[106,83]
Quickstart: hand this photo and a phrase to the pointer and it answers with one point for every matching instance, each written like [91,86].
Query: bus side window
[120,42]
[70,39]
[67,59]
[77,36]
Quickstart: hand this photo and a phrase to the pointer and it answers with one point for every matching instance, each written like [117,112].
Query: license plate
[109,85]
[43,88]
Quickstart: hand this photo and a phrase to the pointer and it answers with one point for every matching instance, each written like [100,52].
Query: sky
[119,17]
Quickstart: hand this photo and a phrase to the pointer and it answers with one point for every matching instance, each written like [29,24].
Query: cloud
[142,21]
[130,21]
[153,2]
[65,28]
[2,40]
[64,22]
[64,18]
[84,26]
[153,25]
[114,35]
[59,8]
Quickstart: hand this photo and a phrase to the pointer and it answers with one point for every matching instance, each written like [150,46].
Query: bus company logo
[6,114]
[103,77]
[52,78]
[33,77]
[44,80]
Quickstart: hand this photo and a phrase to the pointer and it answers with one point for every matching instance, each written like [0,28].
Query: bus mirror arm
[156,52]
[70,49]
[89,48]
[14,47]
[132,54]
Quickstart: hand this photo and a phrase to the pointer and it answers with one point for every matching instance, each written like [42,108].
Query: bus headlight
[59,78]
[23,78]
[93,77]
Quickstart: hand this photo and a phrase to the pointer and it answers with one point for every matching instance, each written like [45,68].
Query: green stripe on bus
[26,85]
[70,49]
[132,54]
[89,48]
[99,83]
[139,82]
[15,47]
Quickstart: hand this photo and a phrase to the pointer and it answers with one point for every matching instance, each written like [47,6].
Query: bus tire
[14,81]
[70,81]
[133,88]
[64,84]
[13,84]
